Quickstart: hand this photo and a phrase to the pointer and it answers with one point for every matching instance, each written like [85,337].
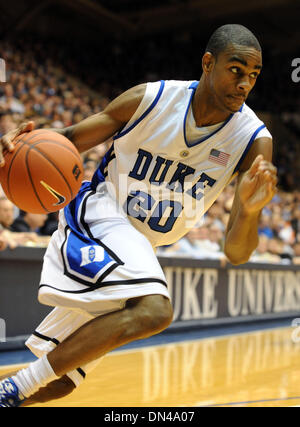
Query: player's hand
[258,185]
[6,142]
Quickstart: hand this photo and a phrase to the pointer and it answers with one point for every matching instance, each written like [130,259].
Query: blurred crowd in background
[57,88]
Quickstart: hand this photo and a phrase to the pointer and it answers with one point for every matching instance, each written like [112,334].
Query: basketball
[43,173]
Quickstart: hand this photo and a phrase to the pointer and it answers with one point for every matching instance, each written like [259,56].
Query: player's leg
[141,318]
[126,270]
[55,327]
[129,270]
[55,390]
[84,345]
[64,386]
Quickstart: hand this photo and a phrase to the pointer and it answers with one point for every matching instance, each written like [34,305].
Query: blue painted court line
[17,357]
[171,336]
[251,401]
[204,332]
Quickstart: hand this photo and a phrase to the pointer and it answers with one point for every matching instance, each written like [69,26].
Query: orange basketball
[44,172]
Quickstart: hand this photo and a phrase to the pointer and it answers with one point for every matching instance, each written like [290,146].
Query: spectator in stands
[29,222]
[184,247]
[278,247]
[295,222]
[6,123]
[92,159]
[12,236]
[3,242]
[287,233]
[28,226]
[89,169]
[190,244]
[97,153]
[265,226]
[38,91]
[262,253]
[196,244]
[296,258]
[214,215]
[7,213]
[6,220]
[50,225]
[216,237]
[9,102]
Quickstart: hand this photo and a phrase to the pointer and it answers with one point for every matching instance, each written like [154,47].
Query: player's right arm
[98,128]
[93,130]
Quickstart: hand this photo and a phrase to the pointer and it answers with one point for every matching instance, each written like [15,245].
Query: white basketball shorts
[95,262]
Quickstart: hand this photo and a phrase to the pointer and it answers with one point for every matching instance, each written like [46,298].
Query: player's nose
[244,85]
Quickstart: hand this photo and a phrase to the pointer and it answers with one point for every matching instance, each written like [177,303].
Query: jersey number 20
[163,217]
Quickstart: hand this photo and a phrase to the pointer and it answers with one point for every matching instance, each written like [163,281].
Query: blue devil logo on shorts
[85,260]
[91,254]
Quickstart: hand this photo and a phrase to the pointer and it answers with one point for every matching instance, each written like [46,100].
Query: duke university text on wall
[216,293]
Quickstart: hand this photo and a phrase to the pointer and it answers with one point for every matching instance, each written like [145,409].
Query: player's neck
[205,110]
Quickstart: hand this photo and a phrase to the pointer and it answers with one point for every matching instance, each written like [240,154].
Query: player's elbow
[236,257]
[236,261]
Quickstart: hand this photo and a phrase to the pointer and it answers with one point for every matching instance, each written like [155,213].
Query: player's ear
[207,62]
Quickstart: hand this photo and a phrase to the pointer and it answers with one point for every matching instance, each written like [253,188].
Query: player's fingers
[268,179]
[268,175]
[1,157]
[26,127]
[267,166]
[272,190]
[255,165]
[23,128]
[268,172]
[6,142]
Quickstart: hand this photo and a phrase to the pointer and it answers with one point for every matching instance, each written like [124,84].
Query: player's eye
[235,70]
[254,75]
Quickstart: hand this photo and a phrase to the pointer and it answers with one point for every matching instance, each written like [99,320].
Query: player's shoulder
[172,84]
[248,125]
[167,90]
[185,84]
[247,113]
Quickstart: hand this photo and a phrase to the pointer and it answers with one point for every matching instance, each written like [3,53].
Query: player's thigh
[99,275]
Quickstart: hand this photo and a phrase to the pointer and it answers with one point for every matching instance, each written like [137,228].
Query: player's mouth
[238,98]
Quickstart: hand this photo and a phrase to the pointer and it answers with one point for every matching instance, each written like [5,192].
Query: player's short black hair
[231,34]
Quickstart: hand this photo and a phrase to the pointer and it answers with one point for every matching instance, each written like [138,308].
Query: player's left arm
[256,186]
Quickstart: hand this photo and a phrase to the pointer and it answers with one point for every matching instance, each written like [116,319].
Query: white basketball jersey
[163,181]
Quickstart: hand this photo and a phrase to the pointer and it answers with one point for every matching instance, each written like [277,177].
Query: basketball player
[176,145]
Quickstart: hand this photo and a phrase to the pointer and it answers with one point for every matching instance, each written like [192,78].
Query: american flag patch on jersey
[219,157]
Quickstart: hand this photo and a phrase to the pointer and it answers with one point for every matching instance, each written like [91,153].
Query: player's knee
[161,314]
[150,314]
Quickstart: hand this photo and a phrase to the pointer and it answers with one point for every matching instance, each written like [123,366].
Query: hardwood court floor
[250,369]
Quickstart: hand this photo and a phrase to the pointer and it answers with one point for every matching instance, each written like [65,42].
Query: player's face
[6,213]
[233,76]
